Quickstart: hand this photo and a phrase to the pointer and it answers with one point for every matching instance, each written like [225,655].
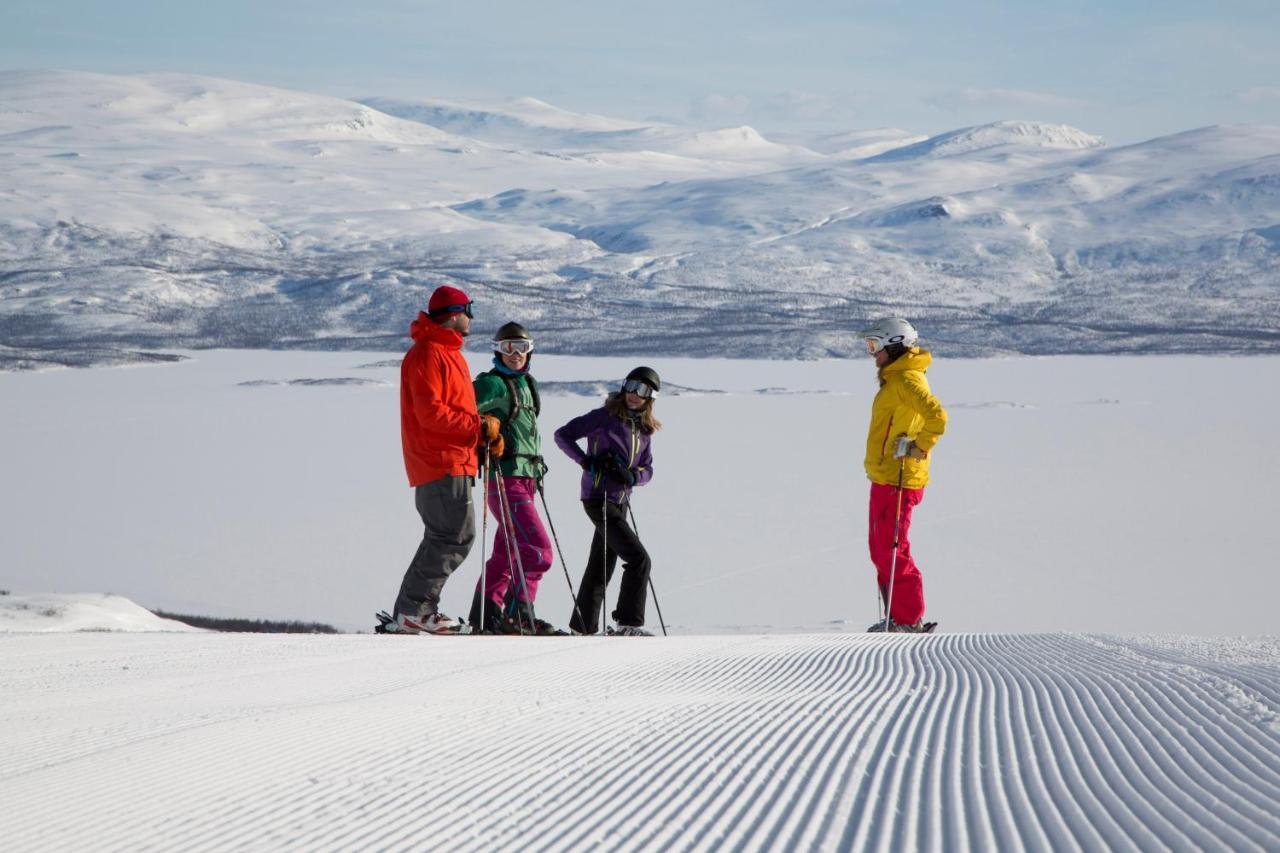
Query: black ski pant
[623,543]
[449,528]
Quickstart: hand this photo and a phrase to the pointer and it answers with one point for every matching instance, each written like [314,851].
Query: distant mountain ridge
[168,210]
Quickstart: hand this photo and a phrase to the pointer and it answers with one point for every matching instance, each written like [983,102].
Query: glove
[595,462]
[616,469]
[906,447]
[490,437]
[490,428]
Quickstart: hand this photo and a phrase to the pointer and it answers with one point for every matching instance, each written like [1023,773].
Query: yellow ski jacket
[904,406]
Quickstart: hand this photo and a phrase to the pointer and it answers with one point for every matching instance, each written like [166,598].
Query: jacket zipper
[887,430]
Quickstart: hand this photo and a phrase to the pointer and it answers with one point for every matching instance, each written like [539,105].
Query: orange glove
[490,428]
[491,437]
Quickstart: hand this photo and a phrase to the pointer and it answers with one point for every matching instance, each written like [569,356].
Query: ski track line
[804,742]
[1122,711]
[406,679]
[788,755]
[414,681]
[722,721]
[1210,741]
[565,754]
[1039,797]
[1233,747]
[814,666]
[399,815]
[1093,773]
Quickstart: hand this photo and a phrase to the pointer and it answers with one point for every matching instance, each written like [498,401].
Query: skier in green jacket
[521,551]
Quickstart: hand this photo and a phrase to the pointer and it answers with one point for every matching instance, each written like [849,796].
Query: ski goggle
[454,309]
[873,345]
[514,346]
[641,389]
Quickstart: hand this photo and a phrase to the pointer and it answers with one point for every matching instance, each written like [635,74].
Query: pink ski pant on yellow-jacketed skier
[907,606]
[535,548]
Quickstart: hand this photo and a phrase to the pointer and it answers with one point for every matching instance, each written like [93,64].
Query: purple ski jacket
[605,432]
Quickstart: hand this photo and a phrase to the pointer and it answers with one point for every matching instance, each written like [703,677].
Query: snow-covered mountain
[170,210]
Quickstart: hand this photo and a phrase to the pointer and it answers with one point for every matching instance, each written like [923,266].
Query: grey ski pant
[450,528]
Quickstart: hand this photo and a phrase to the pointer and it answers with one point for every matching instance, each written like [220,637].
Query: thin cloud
[716,107]
[1258,94]
[1003,98]
[773,107]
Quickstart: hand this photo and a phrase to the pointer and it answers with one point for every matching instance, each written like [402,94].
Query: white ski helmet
[893,330]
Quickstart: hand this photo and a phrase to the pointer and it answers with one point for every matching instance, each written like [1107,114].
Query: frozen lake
[1108,494]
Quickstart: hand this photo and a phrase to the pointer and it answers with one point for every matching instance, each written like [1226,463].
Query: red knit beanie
[446,297]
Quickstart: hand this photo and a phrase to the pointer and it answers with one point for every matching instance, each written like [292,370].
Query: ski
[925,628]
[385,619]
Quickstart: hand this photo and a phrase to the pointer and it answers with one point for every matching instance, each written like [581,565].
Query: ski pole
[893,561]
[514,544]
[506,535]
[604,565]
[484,533]
[652,591]
[572,595]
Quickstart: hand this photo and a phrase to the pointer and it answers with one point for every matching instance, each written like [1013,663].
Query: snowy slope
[851,742]
[171,210]
[48,613]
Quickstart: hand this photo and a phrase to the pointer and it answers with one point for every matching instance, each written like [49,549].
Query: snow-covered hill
[839,742]
[53,613]
[145,212]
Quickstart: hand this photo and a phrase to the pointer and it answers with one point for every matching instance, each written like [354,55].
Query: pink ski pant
[535,548]
[907,606]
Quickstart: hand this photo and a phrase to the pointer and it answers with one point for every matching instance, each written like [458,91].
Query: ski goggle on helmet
[640,388]
[883,333]
[512,346]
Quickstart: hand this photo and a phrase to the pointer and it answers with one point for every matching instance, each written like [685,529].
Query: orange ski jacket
[439,423]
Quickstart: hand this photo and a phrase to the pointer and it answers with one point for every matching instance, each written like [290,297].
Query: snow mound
[728,142]
[505,120]
[1024,134]
[81,106]
[60,613]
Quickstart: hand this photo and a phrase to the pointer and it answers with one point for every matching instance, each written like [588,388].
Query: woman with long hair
[617,458]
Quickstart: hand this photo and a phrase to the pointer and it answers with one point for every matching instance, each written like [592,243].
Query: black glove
[595,463]
[616,469]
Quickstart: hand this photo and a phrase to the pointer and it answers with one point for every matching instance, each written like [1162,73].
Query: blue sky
[1125,70]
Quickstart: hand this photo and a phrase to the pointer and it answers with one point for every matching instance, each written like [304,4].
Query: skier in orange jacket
[440,429]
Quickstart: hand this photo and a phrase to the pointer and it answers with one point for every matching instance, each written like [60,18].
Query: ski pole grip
[902,447]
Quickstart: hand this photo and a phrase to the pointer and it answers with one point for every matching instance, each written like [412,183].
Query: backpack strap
[514,408]
[533,391]
[513,396]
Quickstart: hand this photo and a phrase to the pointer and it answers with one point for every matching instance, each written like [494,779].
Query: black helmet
[648,376]
[512,331]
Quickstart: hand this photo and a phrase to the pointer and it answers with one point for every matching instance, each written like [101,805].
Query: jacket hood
[425,329]
[914,359]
